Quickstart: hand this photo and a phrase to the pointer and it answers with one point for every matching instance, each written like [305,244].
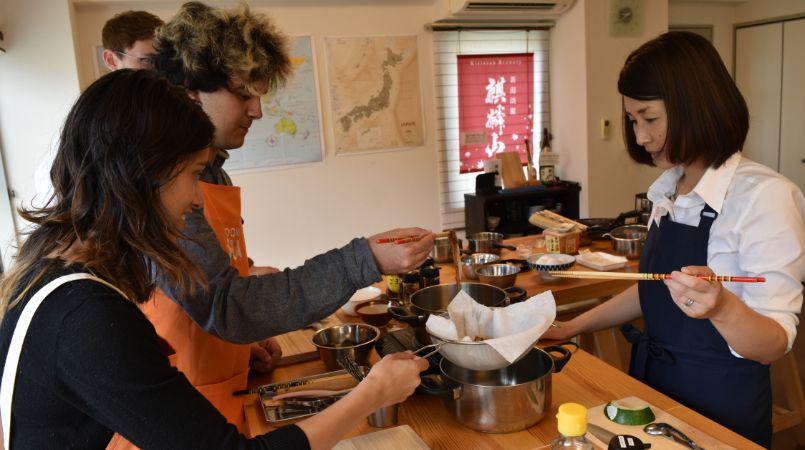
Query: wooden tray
[596,416]
[296,345]
[402,438]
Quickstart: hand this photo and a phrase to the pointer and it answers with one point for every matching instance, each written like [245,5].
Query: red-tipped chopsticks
[648,276]
[399,240]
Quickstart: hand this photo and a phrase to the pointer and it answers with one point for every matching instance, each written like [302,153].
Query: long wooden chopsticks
[648,276]
[407,239]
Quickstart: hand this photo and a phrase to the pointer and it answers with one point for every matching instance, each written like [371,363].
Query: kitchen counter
[585,379]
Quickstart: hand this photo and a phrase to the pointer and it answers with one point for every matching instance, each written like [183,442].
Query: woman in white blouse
[706,344]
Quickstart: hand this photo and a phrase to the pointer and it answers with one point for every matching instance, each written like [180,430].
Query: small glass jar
[393,286]
[430,276]
[410,284]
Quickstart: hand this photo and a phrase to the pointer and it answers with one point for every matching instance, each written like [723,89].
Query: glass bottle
[393,287]
[572,425]
[430,276]
[409,285]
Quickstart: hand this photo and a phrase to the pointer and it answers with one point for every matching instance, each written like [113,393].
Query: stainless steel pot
[442,250]
[644,206]
[628,240]
[488,242]
[434,300]
[499,401]
[642,203]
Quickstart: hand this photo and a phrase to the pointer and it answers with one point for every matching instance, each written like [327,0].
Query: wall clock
[625,17]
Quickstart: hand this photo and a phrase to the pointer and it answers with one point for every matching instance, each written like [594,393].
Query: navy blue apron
[686,358]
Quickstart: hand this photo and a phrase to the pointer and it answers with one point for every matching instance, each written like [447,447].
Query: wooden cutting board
[596,416]
[296,345]
[402,437]
[511,170]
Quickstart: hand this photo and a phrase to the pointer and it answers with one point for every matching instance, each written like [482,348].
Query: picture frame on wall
[99,67]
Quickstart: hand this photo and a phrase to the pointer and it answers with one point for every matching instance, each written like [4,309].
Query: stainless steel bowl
[500,275]
[628,240]
[353,339]
[472,262]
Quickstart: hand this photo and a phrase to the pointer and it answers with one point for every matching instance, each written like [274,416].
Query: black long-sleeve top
[91,365]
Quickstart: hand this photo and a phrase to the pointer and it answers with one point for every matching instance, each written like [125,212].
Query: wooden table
[585,379]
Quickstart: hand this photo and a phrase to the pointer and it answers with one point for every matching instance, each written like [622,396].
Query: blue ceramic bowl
[565,263]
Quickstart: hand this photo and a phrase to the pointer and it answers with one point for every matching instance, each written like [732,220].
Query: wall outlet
[604,129]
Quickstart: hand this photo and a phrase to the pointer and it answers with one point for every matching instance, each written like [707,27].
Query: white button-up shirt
[759,231]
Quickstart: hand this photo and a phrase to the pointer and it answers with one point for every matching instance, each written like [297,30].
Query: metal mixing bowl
[354,339]
[472,262]
[500,275]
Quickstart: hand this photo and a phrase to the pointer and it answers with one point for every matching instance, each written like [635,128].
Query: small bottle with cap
[572,425]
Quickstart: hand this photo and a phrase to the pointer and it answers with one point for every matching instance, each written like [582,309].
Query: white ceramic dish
[601,261]
[360,296]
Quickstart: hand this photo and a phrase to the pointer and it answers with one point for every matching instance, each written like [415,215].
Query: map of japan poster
[374,93]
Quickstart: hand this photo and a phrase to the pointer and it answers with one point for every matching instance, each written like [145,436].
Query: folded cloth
[511,330]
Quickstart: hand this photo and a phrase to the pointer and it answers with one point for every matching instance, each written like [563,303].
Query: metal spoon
[663,429]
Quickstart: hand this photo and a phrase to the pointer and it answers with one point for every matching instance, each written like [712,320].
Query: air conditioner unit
[507,9]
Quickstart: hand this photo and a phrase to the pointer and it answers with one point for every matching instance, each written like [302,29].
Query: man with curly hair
[226,60]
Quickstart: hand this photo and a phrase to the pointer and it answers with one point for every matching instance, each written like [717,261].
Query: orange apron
[215,367]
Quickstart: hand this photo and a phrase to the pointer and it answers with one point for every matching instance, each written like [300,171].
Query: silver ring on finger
[689,302]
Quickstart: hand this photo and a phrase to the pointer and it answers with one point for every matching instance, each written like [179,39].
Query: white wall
[585,63]
[568,86]
[295,213]
[721,16]
[752,10]
[614,177]
[38,83]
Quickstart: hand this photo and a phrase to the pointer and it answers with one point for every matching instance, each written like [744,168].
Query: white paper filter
[510,330]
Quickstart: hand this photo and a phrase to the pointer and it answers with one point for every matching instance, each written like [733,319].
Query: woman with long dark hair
[80,360]
[705,344]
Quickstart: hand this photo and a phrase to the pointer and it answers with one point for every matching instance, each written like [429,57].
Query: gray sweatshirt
[248,309]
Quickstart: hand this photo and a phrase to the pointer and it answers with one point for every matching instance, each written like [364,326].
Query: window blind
[447,45]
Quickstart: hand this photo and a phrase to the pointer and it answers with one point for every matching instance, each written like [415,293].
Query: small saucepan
[442,250]
[499,401]
[628,240]
[488,242]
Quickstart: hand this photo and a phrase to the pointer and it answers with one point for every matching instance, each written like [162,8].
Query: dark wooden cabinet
[513,207]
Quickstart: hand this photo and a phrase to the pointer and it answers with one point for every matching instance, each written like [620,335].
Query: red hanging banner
[495,112]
